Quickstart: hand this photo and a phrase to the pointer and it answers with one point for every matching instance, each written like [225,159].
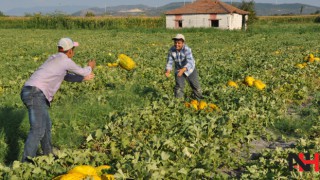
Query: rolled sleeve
[169,61]
[190,61]
[73,67]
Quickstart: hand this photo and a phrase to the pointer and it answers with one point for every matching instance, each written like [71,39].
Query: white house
[207,13]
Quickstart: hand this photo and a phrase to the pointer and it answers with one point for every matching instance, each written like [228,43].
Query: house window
[180,23]
[214,23]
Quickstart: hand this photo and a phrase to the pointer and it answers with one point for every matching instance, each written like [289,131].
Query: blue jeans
[40,123]
[193,80]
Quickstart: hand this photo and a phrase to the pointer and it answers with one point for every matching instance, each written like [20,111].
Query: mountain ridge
[262,9]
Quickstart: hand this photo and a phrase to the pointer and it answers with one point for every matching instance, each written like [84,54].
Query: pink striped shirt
[49,76]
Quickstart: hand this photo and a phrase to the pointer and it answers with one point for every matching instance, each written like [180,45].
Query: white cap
[67,43]
[179,36]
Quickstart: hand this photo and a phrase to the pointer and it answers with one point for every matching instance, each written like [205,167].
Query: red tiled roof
[207,7]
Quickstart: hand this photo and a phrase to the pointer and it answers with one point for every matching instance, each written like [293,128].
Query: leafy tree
[89,14]
[2,14]
[317,19]
[28,14]
[250,7]
[317,12]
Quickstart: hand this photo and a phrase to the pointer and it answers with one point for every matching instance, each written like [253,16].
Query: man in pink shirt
[37,94]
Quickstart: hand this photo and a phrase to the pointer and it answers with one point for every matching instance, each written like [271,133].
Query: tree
[89,14]
[2,14]
[317,12]
[250,7]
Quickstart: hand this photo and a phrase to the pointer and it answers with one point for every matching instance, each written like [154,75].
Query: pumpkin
[249,80]
[232,84]
[112,64]
[84,169]
[202,105]
[126,62]
[100,168]
[311,58]
[186,104]
[86,172]
[73,176]
[300,66]
[259,84]
[194,106]
[212,107]
[95,177]
[195,102]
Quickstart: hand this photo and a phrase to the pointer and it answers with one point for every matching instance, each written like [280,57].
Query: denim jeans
[40,123]
[193,80]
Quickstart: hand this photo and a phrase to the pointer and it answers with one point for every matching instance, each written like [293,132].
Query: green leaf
[89,138]
[16,164]
[37,170]
[183,171]
[164,156]
[98,134]
[198,171]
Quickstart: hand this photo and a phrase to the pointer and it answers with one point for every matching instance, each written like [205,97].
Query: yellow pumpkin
[95,177]
[112,64]
[212,107]
[202,105]
[195,102]
[232,84]
[259,84]
[73,176]
[102,167]
[300,66]
[249,80]
[194,106]
[84,169]
[126,62]
[311,58]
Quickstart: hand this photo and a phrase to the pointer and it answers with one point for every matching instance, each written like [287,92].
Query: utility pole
[105,8]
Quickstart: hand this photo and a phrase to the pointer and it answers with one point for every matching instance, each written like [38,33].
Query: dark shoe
[28,160]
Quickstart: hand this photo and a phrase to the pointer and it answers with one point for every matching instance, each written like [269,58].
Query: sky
[6,5]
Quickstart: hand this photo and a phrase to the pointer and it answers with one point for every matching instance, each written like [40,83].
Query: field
[131,121]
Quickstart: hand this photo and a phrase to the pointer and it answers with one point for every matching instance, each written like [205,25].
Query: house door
[180,23]
[214,23]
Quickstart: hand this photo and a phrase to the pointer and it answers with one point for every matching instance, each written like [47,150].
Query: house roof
[206,7]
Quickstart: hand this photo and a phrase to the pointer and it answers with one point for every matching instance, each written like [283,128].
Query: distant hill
[44,10]
[116,10]
[262,9]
